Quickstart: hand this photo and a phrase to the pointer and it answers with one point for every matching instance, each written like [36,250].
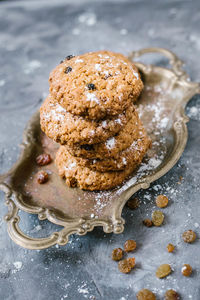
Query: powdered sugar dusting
[118,121]
[88,19]
[136,74]
[31,66]
[110,143]
[92,97]
[83,290]
[2,82]
[98,67]
[78,60]
[71,166]
[56,113]
[124,160]
[104,124]
[193,112]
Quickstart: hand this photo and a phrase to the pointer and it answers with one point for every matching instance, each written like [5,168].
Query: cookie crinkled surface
[81,176]
[96,84]
[66,128]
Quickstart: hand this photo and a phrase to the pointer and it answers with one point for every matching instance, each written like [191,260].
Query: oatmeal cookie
[88,179]
[95,84]
[112,146]
[130,156]
[63,127]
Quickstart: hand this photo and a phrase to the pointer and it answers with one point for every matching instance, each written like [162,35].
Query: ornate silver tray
[161,108]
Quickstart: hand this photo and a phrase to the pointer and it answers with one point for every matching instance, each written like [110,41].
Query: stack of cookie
[90,112]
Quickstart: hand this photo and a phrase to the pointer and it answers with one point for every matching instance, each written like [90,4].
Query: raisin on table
[186,270]
[189,236]
[117,254]
[129,245]
[131,261]
[133,203]
[157,218]
[162,201]
[145,294]
[172,295]
[147,223]
[163,271]
[170,248]
[125,266]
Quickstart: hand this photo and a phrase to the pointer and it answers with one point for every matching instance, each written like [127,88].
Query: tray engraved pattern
[161,108]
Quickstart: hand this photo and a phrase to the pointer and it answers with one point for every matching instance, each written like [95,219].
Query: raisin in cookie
[112,146]
[63,127]
[95,84]
[88,179]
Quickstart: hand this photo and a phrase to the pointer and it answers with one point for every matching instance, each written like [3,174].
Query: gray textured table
[34,37]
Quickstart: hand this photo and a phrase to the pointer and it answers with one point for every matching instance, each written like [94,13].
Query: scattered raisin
[189,236]
[162,201]
[172,295]
[133,203]
[91,86]
[157,218]
[147,223]
[125,266]
[170,248]
[43,159]
[186,270]
[68,57]
[129,245]
[67,70]
[163,271]
[117,254]
[132,261]
[42,177]
[145,294]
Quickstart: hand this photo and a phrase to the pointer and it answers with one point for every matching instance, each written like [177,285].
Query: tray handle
[21,238]
[80,226]
[174,61]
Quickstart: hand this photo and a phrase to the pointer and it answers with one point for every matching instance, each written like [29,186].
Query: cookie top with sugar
[96,84]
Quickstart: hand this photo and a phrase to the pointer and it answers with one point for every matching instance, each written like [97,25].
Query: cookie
[63,127]
[96,84]
[130,156]
[112,146]
[88,179]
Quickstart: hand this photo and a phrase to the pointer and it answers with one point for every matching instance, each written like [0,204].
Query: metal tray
[161,108]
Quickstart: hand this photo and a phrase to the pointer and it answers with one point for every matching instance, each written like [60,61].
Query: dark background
[34,37]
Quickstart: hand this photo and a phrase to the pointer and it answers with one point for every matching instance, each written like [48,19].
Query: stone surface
[34,37]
